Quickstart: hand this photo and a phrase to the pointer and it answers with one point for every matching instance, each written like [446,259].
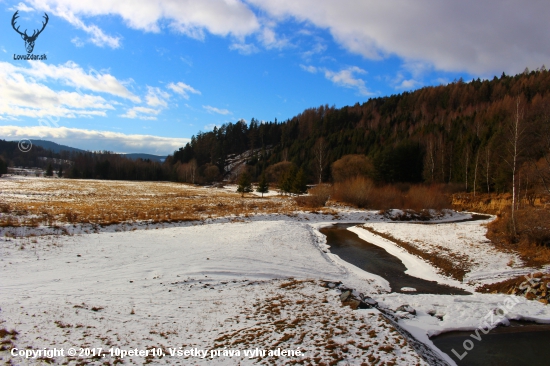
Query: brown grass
[282,322]
[531,238]
[456,266]
[502,287]
[61,201]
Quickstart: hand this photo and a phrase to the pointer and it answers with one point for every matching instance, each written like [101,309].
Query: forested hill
[435,134]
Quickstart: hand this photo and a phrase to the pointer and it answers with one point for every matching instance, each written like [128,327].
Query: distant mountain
[151,157]
[55,147]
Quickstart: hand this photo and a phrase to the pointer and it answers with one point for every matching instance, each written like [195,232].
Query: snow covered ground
[233,188]
[212,287]
[202,287]
[459,241]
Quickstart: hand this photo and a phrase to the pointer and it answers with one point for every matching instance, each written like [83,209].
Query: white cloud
[22,7]
[97,140]
[190,17]
[23,96]
[244,48]
[73,75]
[346,77]
[141,113]
[311,69]
[210,127]
[211,109]
[97,36]
[469,35]
[270,40]
[417,68]
[26,92]
[408,84]
[77,42]
[476,36]
[156,97]
[318,48]
[182,89]
[187,60]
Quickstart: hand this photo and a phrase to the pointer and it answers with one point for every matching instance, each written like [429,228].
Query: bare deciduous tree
[487,165]
[320,155]
[193,170]
[467,164]
[430,158]
[475,173]
[516,130]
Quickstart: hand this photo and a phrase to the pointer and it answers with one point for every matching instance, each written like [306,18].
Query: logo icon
[29,40]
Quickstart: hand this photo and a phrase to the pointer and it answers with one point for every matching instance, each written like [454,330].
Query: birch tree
[515,131]
[320,157]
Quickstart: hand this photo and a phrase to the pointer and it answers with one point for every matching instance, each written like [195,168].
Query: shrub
[531,238]
[211,173]
[275,172]
[422,197]
[318,196]
[355,191]
[361,192]
[351,166]
[386,197]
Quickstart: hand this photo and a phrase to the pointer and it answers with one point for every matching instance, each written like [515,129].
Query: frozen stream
[376,260]
[521,343]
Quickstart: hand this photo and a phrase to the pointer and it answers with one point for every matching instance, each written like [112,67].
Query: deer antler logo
[29,40]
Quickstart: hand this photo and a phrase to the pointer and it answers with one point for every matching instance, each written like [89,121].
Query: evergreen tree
[49,171]
[287,180]
[263,187]
[60,172]
[244,185]
[3,167]
[299,184]
[74,172]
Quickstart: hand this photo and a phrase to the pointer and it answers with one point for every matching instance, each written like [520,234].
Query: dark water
[519,344]
[374,259]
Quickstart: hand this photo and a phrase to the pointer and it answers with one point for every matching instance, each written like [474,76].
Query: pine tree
[74,172]
[263,187]
[60,172]
[299,185]
[287,179]
[3,167]
[49,171]
[244,185]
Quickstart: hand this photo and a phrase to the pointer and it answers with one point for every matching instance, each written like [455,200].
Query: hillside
[55,147]
[456,133]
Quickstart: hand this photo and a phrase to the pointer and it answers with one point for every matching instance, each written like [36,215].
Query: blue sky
[146,75]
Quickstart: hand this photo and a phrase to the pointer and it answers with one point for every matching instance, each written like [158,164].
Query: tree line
[460,133]
[486,135]
[82,165]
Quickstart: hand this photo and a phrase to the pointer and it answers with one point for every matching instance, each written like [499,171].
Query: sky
[145,75]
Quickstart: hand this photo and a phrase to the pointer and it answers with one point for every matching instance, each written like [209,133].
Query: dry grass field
[43,201]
